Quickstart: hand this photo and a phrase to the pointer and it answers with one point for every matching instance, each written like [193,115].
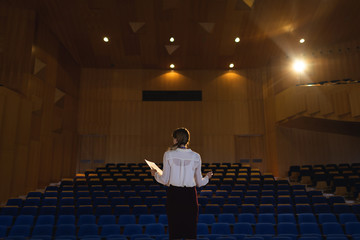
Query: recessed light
[231,65]
[172,65]
[302,40]
[299,66]
[237,39]
[172,39]
[106,39]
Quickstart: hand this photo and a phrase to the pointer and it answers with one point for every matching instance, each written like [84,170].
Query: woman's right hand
[209,174]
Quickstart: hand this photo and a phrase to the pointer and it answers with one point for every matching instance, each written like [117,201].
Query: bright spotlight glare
[106,39]
[172,39]
[299,66]
[237,39]
[302,40]
[172,66]
[231,65]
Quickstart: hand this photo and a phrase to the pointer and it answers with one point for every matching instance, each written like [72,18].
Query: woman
[182,173]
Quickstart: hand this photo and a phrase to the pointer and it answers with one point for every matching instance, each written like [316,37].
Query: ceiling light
[172,39]
[106,39]
[302,40]
[299,66]
[172,65]
[231,65]
[237,39]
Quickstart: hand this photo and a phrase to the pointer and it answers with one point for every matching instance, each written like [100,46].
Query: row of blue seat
[161,209]
[6,220]
[238,230]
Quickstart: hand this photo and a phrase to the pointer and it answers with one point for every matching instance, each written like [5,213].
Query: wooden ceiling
[268,29]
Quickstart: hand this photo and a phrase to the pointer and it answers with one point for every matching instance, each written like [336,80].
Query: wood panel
[143,129]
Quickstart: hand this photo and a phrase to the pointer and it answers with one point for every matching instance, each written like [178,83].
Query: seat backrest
[243,228]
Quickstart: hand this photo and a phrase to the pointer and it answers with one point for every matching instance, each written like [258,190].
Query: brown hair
[182,135]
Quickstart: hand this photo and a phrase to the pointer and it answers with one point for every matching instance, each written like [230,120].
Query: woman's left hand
[153,171]
[209,174]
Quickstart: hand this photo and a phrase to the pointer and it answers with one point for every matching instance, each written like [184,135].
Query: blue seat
[106,219]
[32,201]
[220,228]
[284,208]
[230,208]
[20,231]
[29,210]
[202,229]
[327,217]
[206,193]
[152,200]
[287,230]
[303,208]
[352,228]
[103,210]
[158,209]
[66,219]
[243,228]
[85,210]
[322,208]
[117,201]
[301,200]
[3,231]
[163,219]
[66,210]
[86,219]
[14,202]
[336,199]
[45,220]
[226,218]
[248,208]
[69,201]
[332,229]
[88,230]
[212,209]
[24,220]
[218,200]
[318,199]
[47,210]
[43,231]
[246,218]
[126,219]
[306,218]
[6,220]
[140,209]
[84,201]
[251,200]
[265,230]
[132,229]
[147,219]
[266,208]
[10,210]
[341,208]
[267,200]
[135,200]
[234,200]
[286,217]
[49,201]
[155,229]
[266,218]
[206,218]
[310,229]
[347,217]
[284,200]
[111,230]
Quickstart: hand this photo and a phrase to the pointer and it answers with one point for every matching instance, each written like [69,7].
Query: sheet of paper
[153,165]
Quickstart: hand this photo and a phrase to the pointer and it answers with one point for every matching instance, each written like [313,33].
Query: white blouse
[182,168]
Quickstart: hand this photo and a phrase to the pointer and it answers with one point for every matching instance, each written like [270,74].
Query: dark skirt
[182,211]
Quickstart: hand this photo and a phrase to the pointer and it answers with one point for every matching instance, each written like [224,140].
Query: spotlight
[172,39]
[237,39]
[302,40]
[231,65]
[106,39]
[299,66]
[172,66]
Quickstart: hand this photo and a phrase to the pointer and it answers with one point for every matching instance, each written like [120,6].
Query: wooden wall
[38,105]
[115,125]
